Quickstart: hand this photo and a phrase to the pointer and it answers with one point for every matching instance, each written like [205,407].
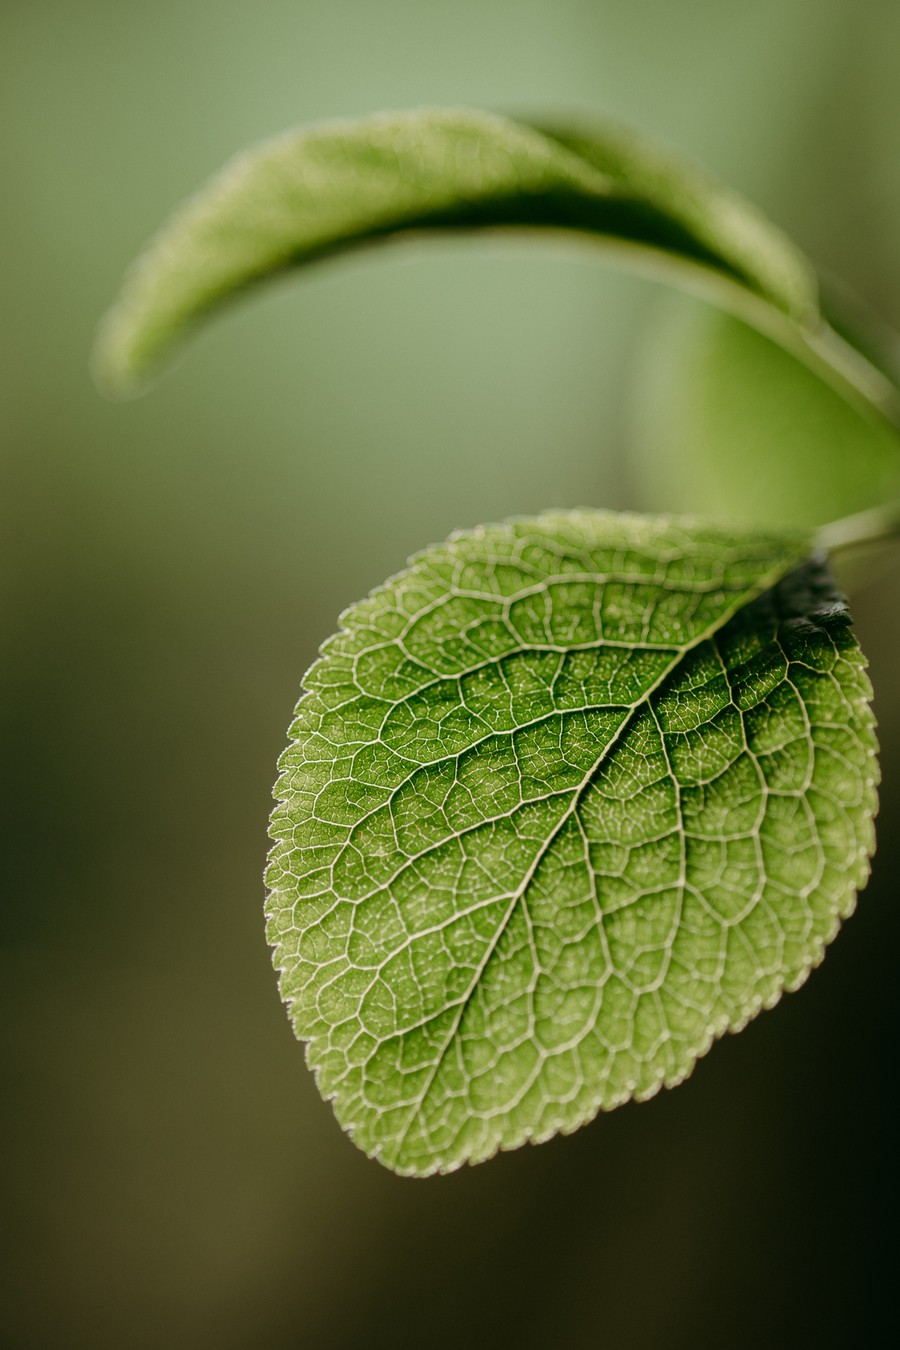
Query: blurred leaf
[319,190]
[564,801]
[725,423]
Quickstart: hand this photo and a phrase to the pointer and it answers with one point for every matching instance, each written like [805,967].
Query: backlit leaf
[313,192]
[565,801]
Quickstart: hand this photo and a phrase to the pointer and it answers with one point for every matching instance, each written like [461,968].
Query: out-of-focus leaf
[725,423]
[319,190]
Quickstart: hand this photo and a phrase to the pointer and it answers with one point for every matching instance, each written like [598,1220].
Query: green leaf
[565,801]
[726,424]
[319,190]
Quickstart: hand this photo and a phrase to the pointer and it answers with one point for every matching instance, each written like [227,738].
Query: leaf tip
[116,373]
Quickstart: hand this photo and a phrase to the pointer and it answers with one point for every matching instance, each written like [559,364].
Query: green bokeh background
[170,1176]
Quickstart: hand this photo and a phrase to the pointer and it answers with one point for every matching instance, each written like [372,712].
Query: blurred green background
[171,1177]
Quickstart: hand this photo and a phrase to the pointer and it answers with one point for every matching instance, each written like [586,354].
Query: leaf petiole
[861,530]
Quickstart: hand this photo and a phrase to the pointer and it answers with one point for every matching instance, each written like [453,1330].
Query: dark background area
[170,1175]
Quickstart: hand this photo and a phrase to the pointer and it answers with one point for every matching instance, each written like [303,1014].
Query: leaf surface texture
[563,802]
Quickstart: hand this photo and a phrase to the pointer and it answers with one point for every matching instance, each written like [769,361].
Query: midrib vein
[766,582]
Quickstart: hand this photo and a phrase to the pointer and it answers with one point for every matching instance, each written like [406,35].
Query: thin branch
[874,526]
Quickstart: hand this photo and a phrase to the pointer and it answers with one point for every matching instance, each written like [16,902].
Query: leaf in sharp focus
[313,192]
[564,801]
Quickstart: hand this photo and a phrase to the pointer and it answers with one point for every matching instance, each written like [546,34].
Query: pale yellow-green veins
[563,802]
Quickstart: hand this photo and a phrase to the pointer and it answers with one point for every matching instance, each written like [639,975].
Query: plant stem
[865,528]
[868,383]
[852,374]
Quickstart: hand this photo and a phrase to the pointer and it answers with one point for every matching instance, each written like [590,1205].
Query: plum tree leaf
[322,189]
[564,801]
